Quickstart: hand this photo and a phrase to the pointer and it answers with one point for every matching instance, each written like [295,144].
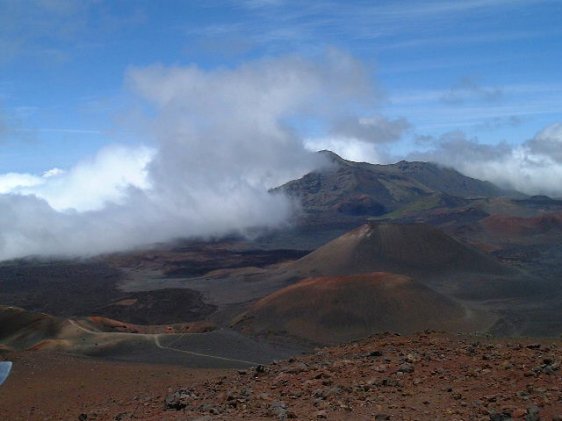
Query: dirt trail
[156,339]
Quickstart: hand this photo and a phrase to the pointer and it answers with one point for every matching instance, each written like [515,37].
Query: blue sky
[148,120]
[489,68]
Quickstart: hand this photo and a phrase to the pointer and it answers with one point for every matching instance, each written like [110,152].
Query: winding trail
[198,354]
[82,328]
[158,344]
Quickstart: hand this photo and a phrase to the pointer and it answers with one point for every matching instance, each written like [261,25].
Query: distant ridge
[360,188]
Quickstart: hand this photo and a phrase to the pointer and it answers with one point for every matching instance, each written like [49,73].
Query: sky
[170,110]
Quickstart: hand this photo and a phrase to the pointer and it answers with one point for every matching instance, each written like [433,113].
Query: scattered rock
[178,400]
[389,382]
[532,414]
[504,416]
[296,368]
[412,358]
[534,346]
[278,409]
[406,368]
[372,379]
[519,413]
[322,414]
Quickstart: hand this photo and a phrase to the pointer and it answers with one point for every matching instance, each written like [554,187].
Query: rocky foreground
[428,376]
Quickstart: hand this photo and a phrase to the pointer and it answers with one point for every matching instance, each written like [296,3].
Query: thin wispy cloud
[59,130]
[479,106]
[257,4]
[495,123]
[466,39]
[307,23]
[48,30]
[468,89]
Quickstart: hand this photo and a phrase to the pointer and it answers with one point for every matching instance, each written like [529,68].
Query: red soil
[337,309]
[511,226]
[388,377]
[53,386]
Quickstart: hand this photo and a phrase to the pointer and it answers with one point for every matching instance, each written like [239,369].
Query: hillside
[359,188]
[399,248]
[523,229]
[338,309]
[427,376]
[23,329]
[419,251]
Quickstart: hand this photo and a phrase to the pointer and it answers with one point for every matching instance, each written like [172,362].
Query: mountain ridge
[360,188]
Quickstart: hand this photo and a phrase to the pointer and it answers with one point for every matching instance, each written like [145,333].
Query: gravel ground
[429,376]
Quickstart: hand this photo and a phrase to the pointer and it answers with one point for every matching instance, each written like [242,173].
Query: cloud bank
[220,139]
[88,186]
[534,167]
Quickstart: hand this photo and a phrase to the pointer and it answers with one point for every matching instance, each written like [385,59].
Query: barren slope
[21,329]
[399,248]
[360,188]
[337,309]
[387,377]
[422,252]
[518,229]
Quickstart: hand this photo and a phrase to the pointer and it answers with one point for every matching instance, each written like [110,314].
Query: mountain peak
[332,156]
[362,189]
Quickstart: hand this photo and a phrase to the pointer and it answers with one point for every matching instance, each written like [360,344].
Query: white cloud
[548,142]
[13,181]
[231,126]
[53,172]
[534,167]
[360,138]
[222,138]
[90,185]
